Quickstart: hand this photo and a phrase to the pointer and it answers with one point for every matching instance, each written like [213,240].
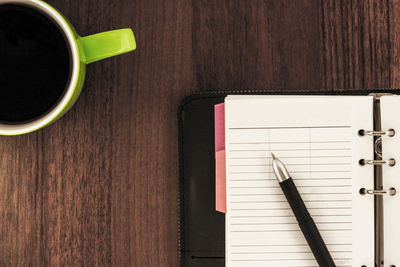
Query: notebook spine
[378,162]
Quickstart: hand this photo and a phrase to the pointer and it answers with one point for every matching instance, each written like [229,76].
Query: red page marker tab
[220,182]
[219,115]
[220,158]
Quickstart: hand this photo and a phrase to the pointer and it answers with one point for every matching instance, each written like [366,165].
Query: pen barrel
[307,224]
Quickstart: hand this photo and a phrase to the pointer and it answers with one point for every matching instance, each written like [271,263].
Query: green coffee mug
[82,51]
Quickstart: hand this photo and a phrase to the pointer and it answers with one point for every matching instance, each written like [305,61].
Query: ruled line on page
[318,266]
[282,231]
[299,157]
[280,194]
[290,150]
[294,164]
[291,142]
[298,186]
[290,127]
[325,208]
[285,259]
[294,223]
[290,216]
[314,171]
[291,252]
[285,201]
[297,179]
[289,245]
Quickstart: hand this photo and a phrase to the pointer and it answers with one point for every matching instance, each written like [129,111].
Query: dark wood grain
[99,187]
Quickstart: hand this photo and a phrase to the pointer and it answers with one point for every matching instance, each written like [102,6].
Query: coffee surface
[35,64]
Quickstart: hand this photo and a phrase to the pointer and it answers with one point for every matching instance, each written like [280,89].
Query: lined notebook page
[391,178]
[316,137]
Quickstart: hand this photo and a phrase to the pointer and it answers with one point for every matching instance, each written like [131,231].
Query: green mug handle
[107,44]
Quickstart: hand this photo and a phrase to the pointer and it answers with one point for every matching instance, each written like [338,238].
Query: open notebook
[317,138]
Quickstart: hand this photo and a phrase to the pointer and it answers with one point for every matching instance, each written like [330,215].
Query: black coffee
[35,64]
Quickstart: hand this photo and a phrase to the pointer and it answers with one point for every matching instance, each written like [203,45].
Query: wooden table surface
[99,187]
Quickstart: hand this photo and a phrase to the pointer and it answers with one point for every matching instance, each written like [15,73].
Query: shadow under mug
[83,50]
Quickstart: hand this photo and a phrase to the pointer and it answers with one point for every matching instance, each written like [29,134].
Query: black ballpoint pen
[304,219]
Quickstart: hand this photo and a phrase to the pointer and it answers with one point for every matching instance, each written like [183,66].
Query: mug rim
[52,114]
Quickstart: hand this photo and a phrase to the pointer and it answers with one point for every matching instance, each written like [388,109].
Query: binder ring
[390,162]
[391,192]
[389,132]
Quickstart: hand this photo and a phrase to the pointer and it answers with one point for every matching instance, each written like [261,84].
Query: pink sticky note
[220,158]
[220,182]
[219,115]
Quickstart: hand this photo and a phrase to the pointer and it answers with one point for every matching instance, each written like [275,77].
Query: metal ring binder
[391,191]
[389,133]
[378,146]
[390,162]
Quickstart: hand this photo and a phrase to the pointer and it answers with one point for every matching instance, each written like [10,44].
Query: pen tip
[273,156]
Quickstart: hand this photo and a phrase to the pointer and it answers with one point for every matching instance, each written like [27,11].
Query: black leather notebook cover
[202,228]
